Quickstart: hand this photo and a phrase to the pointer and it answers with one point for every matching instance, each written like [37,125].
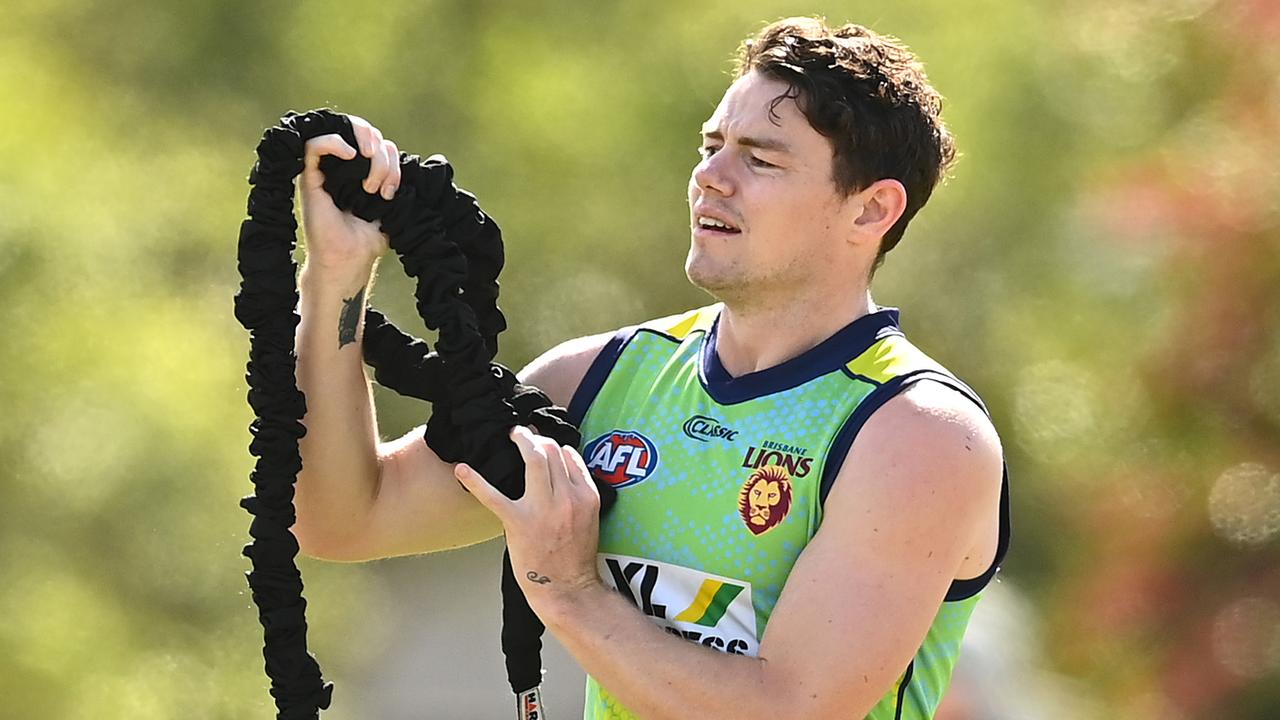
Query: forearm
[657,675]
[339,476]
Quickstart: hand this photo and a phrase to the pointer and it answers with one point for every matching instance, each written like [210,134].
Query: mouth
[705,226]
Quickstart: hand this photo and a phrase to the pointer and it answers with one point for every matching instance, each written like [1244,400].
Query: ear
[882,203]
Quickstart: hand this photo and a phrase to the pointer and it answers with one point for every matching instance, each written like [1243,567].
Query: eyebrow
[761,143]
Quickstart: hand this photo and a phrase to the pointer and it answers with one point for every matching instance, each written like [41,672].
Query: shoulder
[928,448]
[560,370]
[929,414]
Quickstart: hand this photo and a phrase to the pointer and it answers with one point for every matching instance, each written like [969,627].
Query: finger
[537,476]
[497,503]
[378,165]
[559,471]
[578,470]
[392,180]
[364,135]
[331,144]
[563,452]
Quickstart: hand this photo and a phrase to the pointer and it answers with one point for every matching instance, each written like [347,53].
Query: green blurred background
[1104,267]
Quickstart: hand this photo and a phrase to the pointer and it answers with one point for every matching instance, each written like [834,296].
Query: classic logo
[700,607]
[704,428]
[621,458]
[765,499]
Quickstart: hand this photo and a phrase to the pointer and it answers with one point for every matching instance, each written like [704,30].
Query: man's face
[770,180]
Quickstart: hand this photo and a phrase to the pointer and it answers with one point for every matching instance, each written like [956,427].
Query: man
[808,505]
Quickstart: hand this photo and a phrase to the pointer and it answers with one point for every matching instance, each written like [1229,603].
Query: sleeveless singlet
[721,481]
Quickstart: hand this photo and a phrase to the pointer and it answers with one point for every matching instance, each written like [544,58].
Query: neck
[759,336]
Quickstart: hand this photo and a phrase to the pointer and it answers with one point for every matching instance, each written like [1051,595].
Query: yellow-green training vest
[721,481]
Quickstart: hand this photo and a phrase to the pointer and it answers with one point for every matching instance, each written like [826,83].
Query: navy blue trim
[902,689]
[599,371]
[827,356]
[965,589]
[663,335]
[855,376]
[839,450]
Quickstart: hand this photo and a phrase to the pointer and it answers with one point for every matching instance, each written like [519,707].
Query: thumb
[488,495]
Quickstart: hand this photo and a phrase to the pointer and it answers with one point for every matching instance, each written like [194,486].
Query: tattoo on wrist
[349,320]
[535,577]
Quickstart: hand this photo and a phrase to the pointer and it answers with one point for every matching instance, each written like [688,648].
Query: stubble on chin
[707,275]
[734,285]
[721,283]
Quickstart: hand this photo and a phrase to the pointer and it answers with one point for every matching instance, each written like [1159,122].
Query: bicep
[425,503]
[906,507]
[419,506]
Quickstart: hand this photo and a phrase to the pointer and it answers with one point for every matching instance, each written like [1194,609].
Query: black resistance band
[454,251]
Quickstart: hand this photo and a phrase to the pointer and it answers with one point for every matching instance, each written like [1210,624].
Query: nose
[712,174]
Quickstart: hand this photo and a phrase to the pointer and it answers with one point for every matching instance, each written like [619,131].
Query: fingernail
[389,192]
[461,468]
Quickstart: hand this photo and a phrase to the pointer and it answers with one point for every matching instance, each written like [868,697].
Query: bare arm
[339,463]
[359,499]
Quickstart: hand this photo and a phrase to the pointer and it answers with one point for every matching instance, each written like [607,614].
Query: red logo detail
[621,458]
[530,702]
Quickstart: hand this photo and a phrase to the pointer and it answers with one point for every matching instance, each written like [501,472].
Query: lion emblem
[765,499]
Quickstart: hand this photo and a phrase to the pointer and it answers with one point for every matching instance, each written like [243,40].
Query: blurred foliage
[1104,267]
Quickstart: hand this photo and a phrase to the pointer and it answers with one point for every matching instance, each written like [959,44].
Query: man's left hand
[553,530]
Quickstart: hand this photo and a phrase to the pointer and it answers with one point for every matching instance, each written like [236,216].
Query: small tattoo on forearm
[535,577]
[349,320]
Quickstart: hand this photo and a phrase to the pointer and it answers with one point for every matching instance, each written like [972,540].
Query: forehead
[745,110]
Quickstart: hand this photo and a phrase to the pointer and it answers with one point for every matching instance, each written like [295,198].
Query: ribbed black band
[454,251]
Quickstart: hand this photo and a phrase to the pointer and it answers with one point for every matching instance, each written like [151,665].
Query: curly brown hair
[869,95]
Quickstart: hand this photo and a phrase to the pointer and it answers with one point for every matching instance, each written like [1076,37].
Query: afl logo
[621,458]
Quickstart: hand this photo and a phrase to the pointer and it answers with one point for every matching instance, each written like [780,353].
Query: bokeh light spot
[1244,504]
[1246,637]
[1055,409]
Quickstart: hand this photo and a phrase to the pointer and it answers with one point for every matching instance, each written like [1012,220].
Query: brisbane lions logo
[765,499]
[621,458]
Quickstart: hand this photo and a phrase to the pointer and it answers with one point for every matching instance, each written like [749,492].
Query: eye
[707,151]
[752,159]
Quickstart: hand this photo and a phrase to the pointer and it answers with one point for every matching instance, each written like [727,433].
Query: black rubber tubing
[454,252]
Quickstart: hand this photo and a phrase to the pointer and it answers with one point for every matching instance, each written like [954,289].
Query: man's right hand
[339,241]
